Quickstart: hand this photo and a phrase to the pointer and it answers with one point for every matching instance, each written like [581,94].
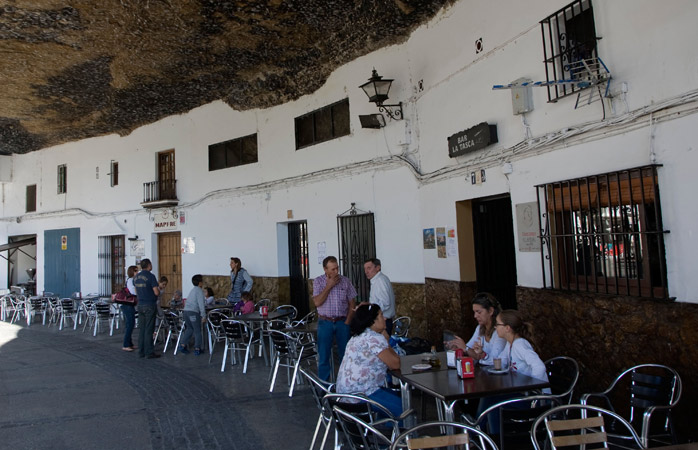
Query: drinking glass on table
[477,347]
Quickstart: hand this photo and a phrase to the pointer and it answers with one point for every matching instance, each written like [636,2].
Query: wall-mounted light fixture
[376,88]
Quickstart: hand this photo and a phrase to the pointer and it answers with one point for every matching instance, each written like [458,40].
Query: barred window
[604,234]
[569,49]
[62,179]
[329,122]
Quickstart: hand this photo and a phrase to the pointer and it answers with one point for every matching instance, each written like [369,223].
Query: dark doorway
[495,258]
[298,267]
[357,243]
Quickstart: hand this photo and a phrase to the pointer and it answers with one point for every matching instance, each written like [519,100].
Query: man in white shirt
[381,291]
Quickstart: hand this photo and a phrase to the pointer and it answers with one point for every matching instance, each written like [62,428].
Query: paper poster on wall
[451,244]
[188,245]
[321,251]
[441,242]
[428,238]
[528,227]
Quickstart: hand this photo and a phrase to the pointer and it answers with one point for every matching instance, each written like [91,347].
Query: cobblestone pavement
[68,389]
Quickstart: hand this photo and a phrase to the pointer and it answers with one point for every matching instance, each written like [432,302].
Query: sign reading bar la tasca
[472,139]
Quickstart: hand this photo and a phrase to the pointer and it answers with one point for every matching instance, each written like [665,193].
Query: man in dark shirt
[147,290]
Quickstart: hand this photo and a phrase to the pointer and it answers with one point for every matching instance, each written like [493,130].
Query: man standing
[334,298]
[381,291]
[148,292]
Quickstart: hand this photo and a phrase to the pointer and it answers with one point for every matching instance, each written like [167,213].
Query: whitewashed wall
[446,88]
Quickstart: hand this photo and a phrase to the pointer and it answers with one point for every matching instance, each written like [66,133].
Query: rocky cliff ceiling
[76,69]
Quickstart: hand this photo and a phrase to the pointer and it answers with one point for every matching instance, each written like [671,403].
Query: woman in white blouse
[485,344]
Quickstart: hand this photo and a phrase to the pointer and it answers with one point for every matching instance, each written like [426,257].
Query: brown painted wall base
[607,334]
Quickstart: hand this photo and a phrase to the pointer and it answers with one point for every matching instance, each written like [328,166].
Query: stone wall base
[607,334]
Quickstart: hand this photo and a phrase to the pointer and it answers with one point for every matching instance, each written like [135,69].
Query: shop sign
[472,139]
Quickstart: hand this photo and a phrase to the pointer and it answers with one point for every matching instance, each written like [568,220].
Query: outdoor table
[256,318]
[448,388]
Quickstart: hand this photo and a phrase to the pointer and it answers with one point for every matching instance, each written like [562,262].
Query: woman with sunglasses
[367,358]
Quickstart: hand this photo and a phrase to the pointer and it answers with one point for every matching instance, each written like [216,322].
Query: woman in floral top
[367,358]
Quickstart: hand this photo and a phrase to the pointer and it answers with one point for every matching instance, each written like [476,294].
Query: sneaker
[197,351]
[183,350]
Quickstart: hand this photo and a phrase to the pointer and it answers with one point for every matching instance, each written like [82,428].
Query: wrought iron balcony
[159,193]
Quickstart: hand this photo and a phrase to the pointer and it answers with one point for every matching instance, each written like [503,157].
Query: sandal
[127,349]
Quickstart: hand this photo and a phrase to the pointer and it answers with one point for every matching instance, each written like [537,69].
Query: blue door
[62,261]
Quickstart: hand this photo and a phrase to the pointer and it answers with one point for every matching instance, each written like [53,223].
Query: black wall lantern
[376,88]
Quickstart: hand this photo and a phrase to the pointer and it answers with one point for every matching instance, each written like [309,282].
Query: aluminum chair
[367,411]
[450,435]
[35,305]
[103,313]
[305,320]
[319,389]
[238,337]
[652,390]
[359,434]
[173,321]
[583,426]
[563,374]
[516,416]
[215,331]
[291,308]
[401,326]
[292,350]
[66,311]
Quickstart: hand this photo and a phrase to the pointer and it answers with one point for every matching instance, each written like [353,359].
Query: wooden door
[170,263]
[166,175]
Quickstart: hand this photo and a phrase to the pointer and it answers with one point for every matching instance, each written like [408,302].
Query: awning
[17,244]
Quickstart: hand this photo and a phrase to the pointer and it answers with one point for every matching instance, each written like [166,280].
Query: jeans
[326,333]
[129,313]
[192,321]
[389,399]
[146,328]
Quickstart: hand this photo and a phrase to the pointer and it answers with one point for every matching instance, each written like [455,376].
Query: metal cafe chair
[401,326]
[173,321]
[652,390]
[319,389]
[450,435]
[516,416]
[35,305]
[66,311]
[102,314]
[238,337]
[359,434]
[293,311]
[215,330]
[292,350]
[563,374]
[367,411]
[583,426]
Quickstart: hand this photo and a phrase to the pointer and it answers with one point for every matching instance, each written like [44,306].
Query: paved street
[65,389]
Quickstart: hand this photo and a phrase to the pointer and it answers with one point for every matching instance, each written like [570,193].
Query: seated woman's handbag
[124,297]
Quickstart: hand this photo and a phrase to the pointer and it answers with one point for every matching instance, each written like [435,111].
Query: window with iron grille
[569,47]
[31,198]
[604,234]
[62,179]
[323,124]
[236,152]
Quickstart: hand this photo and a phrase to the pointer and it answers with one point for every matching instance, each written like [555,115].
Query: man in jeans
[147,288]
[334,298]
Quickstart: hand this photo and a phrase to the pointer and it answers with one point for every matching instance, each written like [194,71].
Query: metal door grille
[111,261]
[357,243]
[299,269]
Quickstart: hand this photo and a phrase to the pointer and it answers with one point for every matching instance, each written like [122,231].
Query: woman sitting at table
[518,355]
[485,345]
[367,358]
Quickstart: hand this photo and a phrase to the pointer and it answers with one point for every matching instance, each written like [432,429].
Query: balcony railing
[159,193]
